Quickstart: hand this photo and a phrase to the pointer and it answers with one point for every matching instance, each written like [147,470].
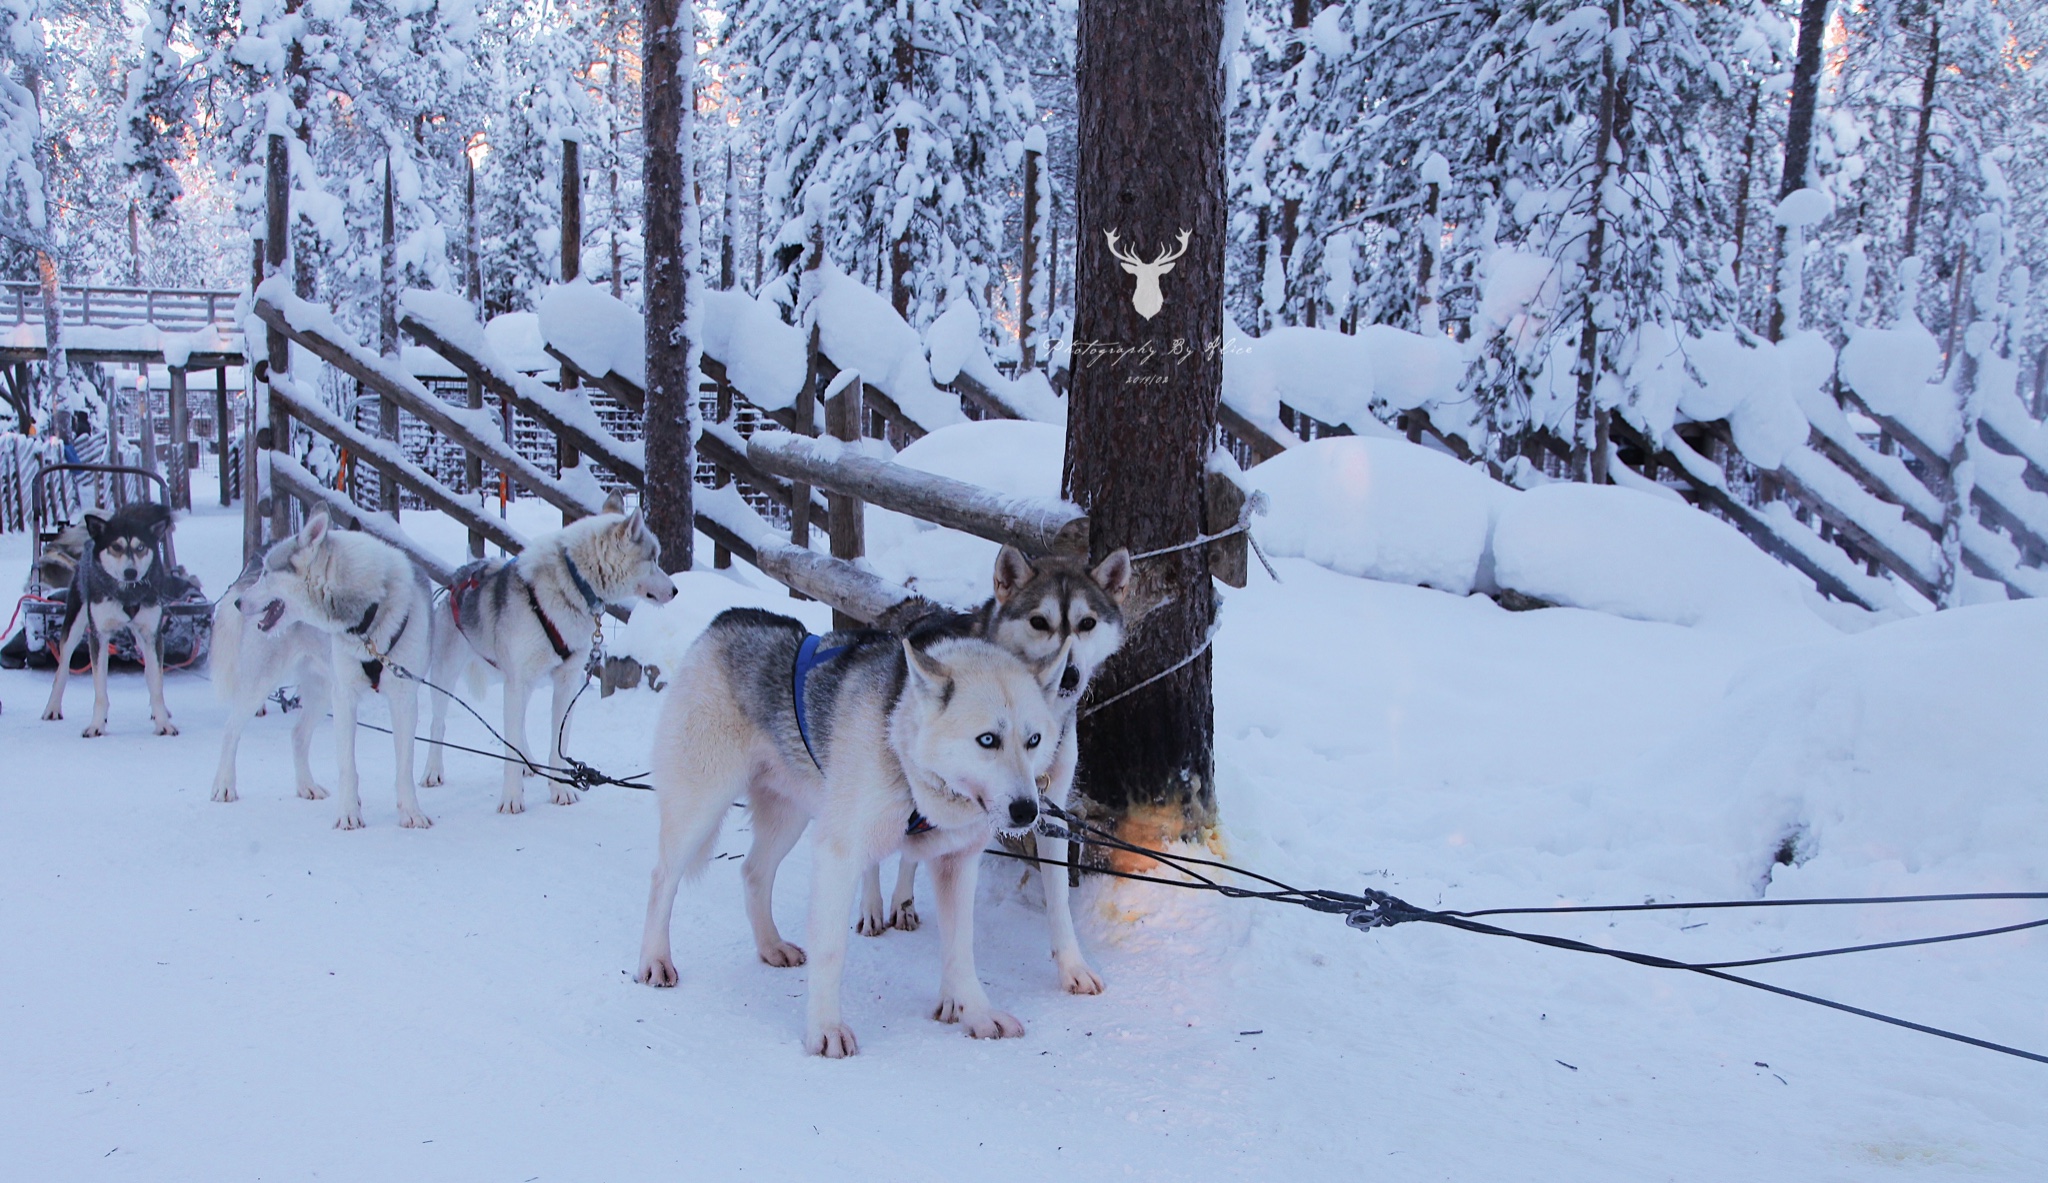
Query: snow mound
[1618,551]
[1380,509]
[1011,456]
[600,334]
[1911,749]
[763,357]
[516,338]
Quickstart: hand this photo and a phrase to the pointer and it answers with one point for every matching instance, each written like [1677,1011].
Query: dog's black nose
[1023,812]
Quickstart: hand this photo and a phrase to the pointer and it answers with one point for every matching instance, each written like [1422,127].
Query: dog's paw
[53,714]
[1077,978]
[432,780]
[94,730]
[871,924]
[413,819]
[834,1041]
[312,792]
[166,727]
[782,956]
[949,1010]
[564,795]
[658,971]
[225,793]
[512,805]
[904,917]
[349,821]
[991,1024]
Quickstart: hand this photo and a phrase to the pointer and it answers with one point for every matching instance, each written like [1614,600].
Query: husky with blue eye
[1038,606]
[889,747]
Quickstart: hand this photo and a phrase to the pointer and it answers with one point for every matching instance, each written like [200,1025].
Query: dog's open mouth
[272,613]
[1070,681]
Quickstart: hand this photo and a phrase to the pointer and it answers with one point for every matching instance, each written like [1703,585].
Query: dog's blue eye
[1032,742]
[989,740]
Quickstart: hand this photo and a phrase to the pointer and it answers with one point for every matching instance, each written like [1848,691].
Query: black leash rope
[577,775]
[1377,909]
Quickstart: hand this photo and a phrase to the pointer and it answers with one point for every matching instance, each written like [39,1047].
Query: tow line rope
[1371,908]
[1378,909]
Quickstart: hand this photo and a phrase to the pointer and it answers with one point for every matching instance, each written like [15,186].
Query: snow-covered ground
[191,990]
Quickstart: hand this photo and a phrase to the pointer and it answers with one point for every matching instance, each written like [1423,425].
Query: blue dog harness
[809,657]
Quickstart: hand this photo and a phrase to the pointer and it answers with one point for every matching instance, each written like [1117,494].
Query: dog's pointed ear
[615,501]
[314,530]
[1050,671]
[635,523]
[927,673]
[95,524]
[1013,571]
[1113,574]
[160,526]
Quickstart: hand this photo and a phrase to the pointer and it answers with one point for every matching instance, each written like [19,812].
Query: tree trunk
[1921,135]
[899,251]
[473,280]
[669,68]
[1140,429]
[1813,19]
[1587,431]
[726,221]
[387,342]
[1742,189]
[1030,301]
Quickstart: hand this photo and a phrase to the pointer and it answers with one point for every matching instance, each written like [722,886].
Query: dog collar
[591,599]
[808,658]
[918,824]
[362,627]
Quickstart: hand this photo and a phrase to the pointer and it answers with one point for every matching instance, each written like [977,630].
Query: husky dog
[373,605]
[120,583]
[1038,607]
[889,746]
[536,617]
[248,664]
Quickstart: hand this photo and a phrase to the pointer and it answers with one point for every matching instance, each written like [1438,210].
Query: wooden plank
[289,476]
[1759,530]
[416,398]
[719,451]
[1263,445]
[314,414]
[601,448]
[1860,538]
[1846,459]
[1033,525]
[14,354]
[857,592]
[846,526]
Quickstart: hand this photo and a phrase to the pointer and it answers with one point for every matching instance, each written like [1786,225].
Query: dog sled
[60,544]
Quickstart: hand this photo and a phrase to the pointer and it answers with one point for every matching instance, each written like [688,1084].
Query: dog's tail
[224,658]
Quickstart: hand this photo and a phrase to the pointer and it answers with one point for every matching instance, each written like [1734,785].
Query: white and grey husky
[247,664]
[373,605]
[889,747]
[1039,605]
[536,617]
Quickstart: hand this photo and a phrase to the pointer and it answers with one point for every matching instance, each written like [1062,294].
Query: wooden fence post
[843,414]
[180,467]
[566,456]
[276,249]
[387,345]
[221,436]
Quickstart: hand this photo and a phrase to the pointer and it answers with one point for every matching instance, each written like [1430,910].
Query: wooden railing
[180,310]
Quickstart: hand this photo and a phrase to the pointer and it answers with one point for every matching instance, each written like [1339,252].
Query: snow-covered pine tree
[901,115]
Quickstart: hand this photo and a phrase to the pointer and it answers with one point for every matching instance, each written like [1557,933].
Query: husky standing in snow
[373,604]
[891,748]
[119,583]
[1038,606]
[536,617]
[248,663]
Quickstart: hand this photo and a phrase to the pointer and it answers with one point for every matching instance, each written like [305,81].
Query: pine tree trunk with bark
[1813,19]
[668,66]
[1146,380]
